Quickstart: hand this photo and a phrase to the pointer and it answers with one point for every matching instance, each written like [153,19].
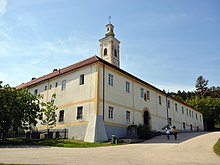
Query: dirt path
[158,151]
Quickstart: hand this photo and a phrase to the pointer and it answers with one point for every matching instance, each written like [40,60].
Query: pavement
[190,149]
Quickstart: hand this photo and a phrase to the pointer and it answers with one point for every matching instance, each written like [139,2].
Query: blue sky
[167,43]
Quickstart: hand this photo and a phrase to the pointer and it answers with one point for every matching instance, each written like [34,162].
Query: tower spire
[109,46]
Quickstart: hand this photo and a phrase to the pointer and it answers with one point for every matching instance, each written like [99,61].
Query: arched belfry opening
[147,118]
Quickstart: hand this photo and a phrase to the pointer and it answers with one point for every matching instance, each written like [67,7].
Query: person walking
[168,131]
[175,132]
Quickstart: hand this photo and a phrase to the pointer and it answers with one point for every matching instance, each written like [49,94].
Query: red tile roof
[86,62]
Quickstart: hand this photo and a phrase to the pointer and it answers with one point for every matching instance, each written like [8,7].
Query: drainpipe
[103,92]
[167,109]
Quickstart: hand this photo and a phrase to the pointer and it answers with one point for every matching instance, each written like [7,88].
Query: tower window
[115,53]
[105,52]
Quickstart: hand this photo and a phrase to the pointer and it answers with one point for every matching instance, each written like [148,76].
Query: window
[115,53]
[63,85]
[142,92]
[105,52]
[145,96]
[81,79]
[176,107]
[45,88]
[128,116]
[148,95]
[110,112]
[170,121]
[50,86]
[35,92]
[182,110]
[184,125]
[56,84]
[61,116]
[110,79]
[159,99]
[200,117]
[127,87]
[187,113]
[192,115]
[168,103]
[196,117]
[79,112]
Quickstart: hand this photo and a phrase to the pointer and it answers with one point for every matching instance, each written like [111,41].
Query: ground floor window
[128,116]
[61,116]
[184,125]
[110,112]
[79,112]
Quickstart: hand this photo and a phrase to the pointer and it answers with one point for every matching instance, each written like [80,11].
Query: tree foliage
[201,86]
[49,109]
[18,108]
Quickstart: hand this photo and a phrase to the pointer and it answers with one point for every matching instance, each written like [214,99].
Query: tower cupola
[109,46]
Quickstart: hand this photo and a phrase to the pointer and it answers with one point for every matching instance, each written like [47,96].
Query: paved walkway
[157,151]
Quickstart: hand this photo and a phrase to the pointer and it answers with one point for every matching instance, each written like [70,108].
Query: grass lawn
[55,143]
[217,147]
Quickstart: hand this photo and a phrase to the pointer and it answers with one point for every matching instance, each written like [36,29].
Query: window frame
[110,112]
[110,79]
[159,100]
[79,114]
[61,116]
[128,116]
[81,79]
[127,88]
[63,87]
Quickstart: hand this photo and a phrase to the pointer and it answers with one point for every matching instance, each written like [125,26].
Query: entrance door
[146,118]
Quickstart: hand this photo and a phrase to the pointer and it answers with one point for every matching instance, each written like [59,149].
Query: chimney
[54,70]
[33,78]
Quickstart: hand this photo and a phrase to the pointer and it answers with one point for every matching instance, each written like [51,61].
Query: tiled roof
[60,72]
[86,62]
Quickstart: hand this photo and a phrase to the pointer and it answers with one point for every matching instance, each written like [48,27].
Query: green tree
[209,107]
[49,109]
[201,86]
[18,108]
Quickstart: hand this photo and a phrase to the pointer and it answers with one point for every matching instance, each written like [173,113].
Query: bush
[144,132]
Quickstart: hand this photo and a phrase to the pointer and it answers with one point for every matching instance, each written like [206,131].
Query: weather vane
[109,19]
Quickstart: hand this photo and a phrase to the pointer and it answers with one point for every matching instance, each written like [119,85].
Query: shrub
[144,132]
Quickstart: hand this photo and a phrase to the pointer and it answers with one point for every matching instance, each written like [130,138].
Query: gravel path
[189,149]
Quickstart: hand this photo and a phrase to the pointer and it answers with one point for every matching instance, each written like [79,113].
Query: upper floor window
[110,79]
[115,53]
[61,116]
[168,103]
[45,88]
[79,112]
[159,99]
[148,95]
[196,117]
[127,87]
[35,92]
[128,116]
[56,84]
[105,52]
[176,107]
[50,86]
[110,112]
[192,115]
[200,117]
[63,85]
[142,92]
[187,113]
[182,110]
[81,79]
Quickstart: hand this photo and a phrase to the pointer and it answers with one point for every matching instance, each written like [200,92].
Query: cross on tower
[109,19]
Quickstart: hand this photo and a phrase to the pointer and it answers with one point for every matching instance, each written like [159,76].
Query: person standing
[175,132]
[168,130]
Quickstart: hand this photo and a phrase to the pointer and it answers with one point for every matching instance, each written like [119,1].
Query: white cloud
[3,7]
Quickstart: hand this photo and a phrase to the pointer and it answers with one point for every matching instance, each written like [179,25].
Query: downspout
[103,92]
[167,110]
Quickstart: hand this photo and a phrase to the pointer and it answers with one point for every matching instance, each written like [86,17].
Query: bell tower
[109,46]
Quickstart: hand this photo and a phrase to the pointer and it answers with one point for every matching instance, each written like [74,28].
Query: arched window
[105,52]
[115,53]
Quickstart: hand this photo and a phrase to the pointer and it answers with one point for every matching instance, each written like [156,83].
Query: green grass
[55,143]
[217,147]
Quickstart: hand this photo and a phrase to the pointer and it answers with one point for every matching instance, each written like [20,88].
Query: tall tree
[201,86]
[49,109]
